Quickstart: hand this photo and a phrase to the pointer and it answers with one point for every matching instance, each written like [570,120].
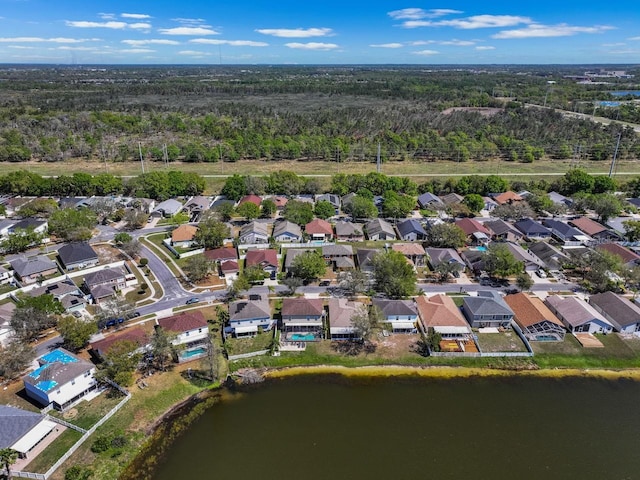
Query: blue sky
[312,32]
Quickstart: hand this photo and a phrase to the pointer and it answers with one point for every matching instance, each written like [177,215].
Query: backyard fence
[248,355]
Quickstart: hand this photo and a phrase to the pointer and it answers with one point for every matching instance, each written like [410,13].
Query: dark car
[193,300]
[325,283]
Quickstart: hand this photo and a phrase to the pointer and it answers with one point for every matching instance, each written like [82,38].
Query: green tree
[224,211]
[308,266]
[45,303]
[120,361]
[248,210]
[362,207]
[605,205]
[603,184]
[577,180]
[72,224]
[446,235]
[39,207]
[8,457]
[179,218]
[15,357]
[197,268]
[78,472]
[500,262]
[364,322]
[135,219]
[162,348]
[75,332]
[298,212]
[393,275]
[234,187]
[122,238]
[632,230]
[20,240]
[269,208]
[353,282]
[396,205]
[524,281]
[211,233]
[446,269]
[514,211]
[324,209]
[474,201]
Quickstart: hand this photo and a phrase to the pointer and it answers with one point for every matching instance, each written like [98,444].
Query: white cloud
[75,49]
[189,21]
[140,26]
[426,53]
[107,16]
[312,46]
[296,32]
[136,50]
[624,52]
[560,30]
[419,13]
[86,24]
[232,43]
[634,38]
[618,44]
[388,45]
[188,31]
[137,16]
[45,40]
[473,22]
[458,43]
[485,47]
[151,41]
[21,47]
[193,53]
[417,43]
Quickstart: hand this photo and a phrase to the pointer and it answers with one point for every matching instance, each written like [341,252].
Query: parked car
[193,300]
[324,283]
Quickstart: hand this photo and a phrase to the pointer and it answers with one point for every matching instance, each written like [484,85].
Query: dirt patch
[108,254]
[395,346]
[484,111]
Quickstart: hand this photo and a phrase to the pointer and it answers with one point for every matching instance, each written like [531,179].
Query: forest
[340,114]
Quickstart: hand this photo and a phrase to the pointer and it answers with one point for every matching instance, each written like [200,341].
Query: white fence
[248,355]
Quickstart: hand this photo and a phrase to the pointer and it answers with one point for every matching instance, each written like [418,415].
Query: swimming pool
[299,337]
[193,353]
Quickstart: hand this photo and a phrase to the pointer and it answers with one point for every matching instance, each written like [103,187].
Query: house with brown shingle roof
[302,318]
[319,229]
[476,232]
[629,258]
[191,330]
[440,314]
[414,252]
[255,199]
[222,254]
[507,198]
[537,322]
[594,229]
[266,259]
[182,236]
[135,335]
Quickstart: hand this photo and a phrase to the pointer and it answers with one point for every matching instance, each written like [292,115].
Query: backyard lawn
[508,341]
[238,346]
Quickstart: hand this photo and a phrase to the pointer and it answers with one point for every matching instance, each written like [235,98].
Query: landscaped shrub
[78,472]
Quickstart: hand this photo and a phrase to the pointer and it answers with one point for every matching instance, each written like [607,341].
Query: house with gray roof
[331,198]
[379,229]
[302,319]
[365,258]
[429,200]
[286,231]
[341,312]
[254,232]
[246,316]
[104,283]
[550,255]
[29,270]
[77,255]
[566,234]
[577,315]
[167,209]
[401,315]
[556,197]
[488,309]
[452,199]
[411,230]
[623,314]
[292,253]
[528,259]
[532,229]
[349,232]
[60,380]
[21,430]
[65,291]
[502,230]
[443,255]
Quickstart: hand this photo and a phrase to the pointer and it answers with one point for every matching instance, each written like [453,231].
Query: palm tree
[8,457]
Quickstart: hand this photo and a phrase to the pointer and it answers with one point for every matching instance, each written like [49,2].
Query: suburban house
[534,318]
[77,255]
[222,254]
[21,430]
[36,224]
[266,259]
[501,230]
[6,276]
[594,229]
[29,270]
[440,314]
[443,255]
[104,283]
[623,314]
[251,198]
[413,252]
[191,331]
[488,309]
[452,199]
[183,235]
[339,256]
[134,335]
[566,234]
[629,258]
[528,259]
[400,314]
[506,198]
[319,230]
[341,312]
[292,253]
[64,291]
[429,200]
[477,233]
[411,230]
[577,315]
[6,330]
[279,201]
[196,206]
[246,316]
[365,258]
[349,232]
[549,255]
[379,229]
[60,380]
[286,231]
[532,230]
[254,232]
[332,198]
[302,318]
[559,199]
[167,209]
[474,260]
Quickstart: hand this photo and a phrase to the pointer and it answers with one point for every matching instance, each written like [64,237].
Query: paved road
[170,284]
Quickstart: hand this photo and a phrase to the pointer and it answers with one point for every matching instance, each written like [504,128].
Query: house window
[199,330]
[58,392]
[73,382]
[186,334]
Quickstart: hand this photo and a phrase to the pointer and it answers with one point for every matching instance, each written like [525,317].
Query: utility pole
[378,166]
[141,160]
[615,155]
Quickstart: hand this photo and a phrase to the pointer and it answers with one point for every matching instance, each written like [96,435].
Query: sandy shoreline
[449,372]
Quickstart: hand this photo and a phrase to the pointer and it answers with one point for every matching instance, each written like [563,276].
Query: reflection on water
[323,427]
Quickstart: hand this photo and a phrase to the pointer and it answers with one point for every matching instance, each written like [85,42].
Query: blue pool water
[308,337]
[193,353]
[609,104]
[479,249]
[624,93]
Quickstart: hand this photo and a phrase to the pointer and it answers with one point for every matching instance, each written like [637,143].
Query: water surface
[327,427]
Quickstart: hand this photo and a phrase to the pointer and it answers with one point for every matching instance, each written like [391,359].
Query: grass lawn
[238,346]
[501,342]
[617,353]
[87,414]
[53,452]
